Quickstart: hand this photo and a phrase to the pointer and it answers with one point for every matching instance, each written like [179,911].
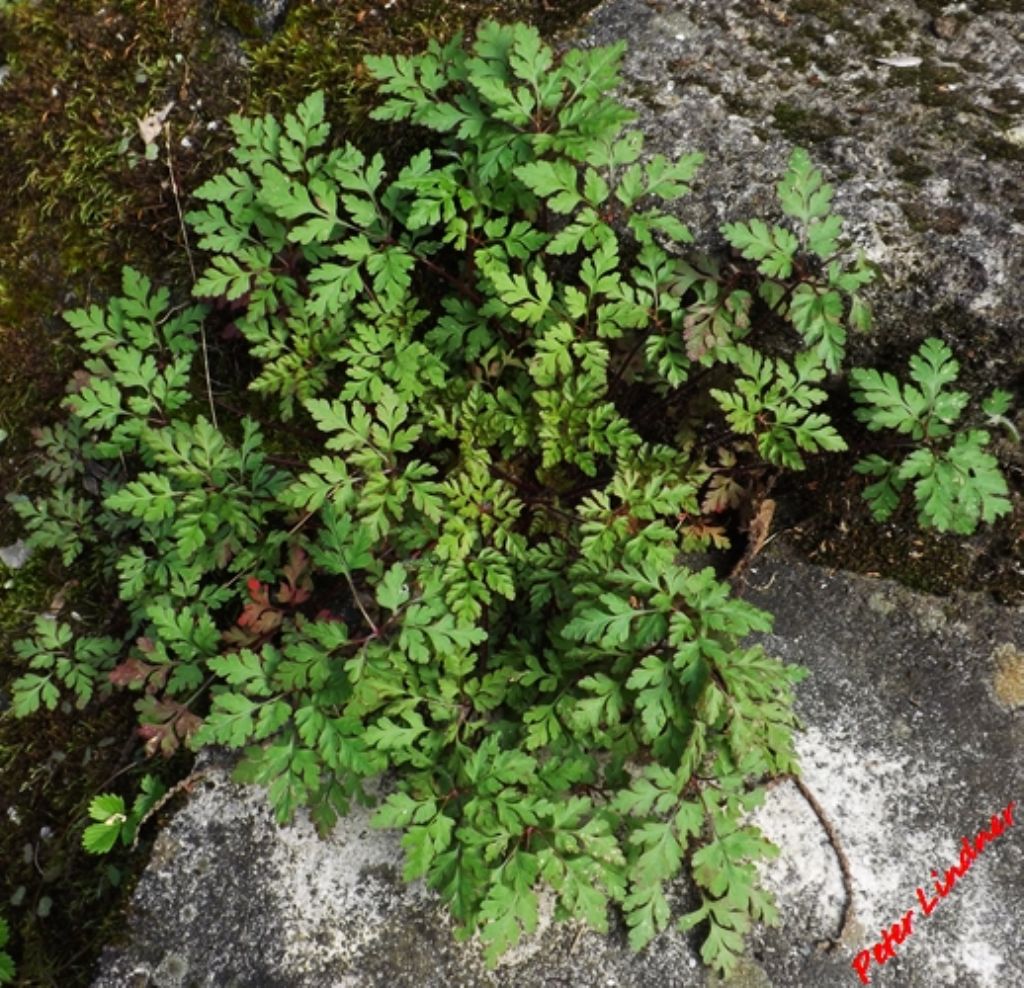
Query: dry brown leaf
[152,123]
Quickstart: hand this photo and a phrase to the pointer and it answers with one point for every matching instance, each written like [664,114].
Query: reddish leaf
[715,533]
[239,637]
[723,493]
[297,589]
[260,620]
[259,616]
[134,672]
[165,724]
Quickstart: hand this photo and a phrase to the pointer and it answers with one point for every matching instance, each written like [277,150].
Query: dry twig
[846,918]
[192,268]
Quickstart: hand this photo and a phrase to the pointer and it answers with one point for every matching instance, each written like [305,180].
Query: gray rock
[15,555]
[270,14]
[909,745]
[925,158]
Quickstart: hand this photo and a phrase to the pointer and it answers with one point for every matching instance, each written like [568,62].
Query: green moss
[70,756]
[866,85]
[938,85]
[81,77]
[829,12]
[830,60]
[894,26]
[84,199]
[832,526]
[802,125]
[892,33]
[321,45]
[1009,99]
[998,148]
[915,173]
[238,15]
[977,7]
[922,217]
[50,766]
[23,594]
[908,168]
[797,53]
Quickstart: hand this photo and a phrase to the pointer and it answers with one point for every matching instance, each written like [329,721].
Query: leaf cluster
[804,279]
[957,483]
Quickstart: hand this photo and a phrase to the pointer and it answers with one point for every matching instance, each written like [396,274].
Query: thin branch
[306,516]
[621,370]
[375,631]
[846,917]
[183,785]
[462,287]
[192,268]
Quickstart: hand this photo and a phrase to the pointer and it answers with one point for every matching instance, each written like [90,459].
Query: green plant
[112,819]
[814,302]
[956,482]
[995,407]
[7,968]
[512,417]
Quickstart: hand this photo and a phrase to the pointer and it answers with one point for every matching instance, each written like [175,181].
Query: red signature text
[892,937]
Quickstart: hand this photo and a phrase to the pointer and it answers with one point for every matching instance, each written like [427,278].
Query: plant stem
[192,268]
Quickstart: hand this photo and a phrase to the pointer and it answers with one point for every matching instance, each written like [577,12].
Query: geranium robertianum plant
[515,413]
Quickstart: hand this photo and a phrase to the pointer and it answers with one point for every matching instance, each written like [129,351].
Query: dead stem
[846,917]
[192,269]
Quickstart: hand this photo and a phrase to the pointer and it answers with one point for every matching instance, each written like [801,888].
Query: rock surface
[15,555]
[913,108]
[269,14]
[909,746]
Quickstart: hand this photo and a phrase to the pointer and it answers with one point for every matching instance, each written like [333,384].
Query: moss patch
[922,217]
[85,198]
[239,15]
[908,167]
[828,11]
[802,125]
[829,522]
[939,85]
[61,903]
[798,55]
[998,148]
